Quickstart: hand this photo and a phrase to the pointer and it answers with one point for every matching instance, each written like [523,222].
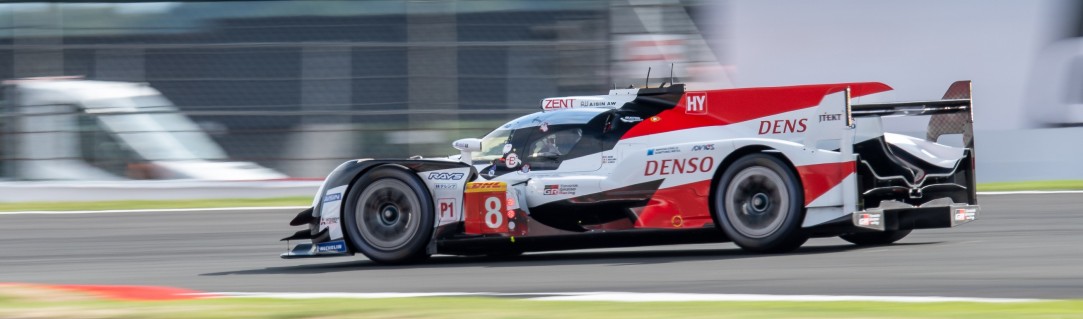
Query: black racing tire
[759,204]
[876,238]
[389,216]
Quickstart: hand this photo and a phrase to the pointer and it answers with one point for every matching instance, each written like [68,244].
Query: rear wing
[954,114]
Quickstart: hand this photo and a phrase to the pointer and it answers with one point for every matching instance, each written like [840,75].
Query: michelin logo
[331,247]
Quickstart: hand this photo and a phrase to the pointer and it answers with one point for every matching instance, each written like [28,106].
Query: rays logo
[446,176]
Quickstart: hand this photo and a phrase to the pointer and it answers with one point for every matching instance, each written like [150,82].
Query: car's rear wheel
[759,204]
[877,238]
[389,216]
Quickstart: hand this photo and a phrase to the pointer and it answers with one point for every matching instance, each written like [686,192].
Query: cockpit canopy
[540,141]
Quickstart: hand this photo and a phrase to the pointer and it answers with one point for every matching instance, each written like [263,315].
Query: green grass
[156,204]
[1031,186]
[475,307]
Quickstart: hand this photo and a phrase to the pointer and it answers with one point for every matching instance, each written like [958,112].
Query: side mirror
[465,146]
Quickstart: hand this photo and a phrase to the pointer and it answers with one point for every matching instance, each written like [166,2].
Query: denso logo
[679,166]
[695,103]
[446,176]
[782,126]
[556,104]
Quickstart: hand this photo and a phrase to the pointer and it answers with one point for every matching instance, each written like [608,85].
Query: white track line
[620,297]
[164,210]
[1030,192]
[218,209]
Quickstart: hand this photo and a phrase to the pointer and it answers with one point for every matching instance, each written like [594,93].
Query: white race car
[766,168]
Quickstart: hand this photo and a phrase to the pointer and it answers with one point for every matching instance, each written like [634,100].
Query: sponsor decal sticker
[481,187]
[609,159]
[782,126]
[704,147]
[544,127]
[525,169]
[558,103]
[512,160]
[561,189]
[966,214]
[492,171]
[329,221]
[830,117]
[445,186]
[664,150]
[631,119]
[332,197]
[590,103]
[679,166]
[507,148]
[337,246]
[446,176]
[868,220]
[656,118]
[695,103]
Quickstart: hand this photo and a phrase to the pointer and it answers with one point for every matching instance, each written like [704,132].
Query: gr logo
[695,103]
[446,176]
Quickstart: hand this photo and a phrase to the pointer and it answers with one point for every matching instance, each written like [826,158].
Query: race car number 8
[493,218]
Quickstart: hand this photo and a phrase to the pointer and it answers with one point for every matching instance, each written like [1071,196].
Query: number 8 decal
[493,218]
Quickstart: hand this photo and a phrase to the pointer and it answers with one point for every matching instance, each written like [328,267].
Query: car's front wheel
[759,204]
[389,216]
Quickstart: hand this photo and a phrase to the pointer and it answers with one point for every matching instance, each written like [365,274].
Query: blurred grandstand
[300,86]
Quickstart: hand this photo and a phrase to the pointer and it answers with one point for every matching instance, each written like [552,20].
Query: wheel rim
[387,214]
[757,202]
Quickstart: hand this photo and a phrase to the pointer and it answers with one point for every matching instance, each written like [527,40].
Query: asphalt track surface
[1023,246]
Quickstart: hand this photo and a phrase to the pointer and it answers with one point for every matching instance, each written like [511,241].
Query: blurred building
[300,86]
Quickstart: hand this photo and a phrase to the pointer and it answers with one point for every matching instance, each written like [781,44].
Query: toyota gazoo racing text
[766,168]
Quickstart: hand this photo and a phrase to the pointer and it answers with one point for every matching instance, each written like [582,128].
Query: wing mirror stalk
[465,147]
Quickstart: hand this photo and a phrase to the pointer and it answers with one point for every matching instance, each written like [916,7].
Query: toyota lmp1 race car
[766,168]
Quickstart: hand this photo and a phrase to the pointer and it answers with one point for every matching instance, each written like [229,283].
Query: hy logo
[695,103]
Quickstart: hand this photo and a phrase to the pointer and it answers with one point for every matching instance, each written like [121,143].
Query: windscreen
[492,146]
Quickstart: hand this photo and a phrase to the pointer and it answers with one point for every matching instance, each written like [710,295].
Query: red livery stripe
[739,105]
[820,178]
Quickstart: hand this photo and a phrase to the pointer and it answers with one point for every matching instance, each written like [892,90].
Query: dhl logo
[483,187]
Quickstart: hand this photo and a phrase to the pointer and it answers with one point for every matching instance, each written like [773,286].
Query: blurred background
[259,90]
